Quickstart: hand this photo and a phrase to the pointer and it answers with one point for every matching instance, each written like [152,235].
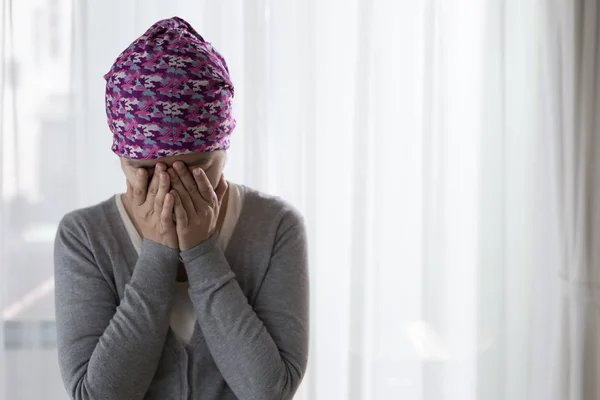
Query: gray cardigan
[112,309]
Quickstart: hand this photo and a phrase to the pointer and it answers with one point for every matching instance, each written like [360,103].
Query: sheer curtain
[571,162]
[404,131]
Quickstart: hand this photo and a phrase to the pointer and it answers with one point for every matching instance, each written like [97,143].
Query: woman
[187,286]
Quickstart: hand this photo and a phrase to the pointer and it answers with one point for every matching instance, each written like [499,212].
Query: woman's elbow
[288,383]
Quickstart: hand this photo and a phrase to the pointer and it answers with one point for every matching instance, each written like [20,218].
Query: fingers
[140,186]
[181,217]
[154,184]
[221,189]
[166,213]
[184,195]
[164,185]
[204,185]
[188,182]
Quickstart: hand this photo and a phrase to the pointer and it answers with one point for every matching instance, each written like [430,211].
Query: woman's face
[211,162]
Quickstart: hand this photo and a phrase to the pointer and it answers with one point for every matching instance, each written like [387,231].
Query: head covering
[169,93]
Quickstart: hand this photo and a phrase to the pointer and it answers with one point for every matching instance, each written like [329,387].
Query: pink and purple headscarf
[169,93]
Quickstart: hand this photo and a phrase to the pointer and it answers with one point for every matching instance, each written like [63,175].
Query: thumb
[181,220]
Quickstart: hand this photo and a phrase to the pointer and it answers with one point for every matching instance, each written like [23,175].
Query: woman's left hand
[197,204]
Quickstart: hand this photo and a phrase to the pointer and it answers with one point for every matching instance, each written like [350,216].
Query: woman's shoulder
[269,207]
[268,214]
[94,216]
[83,231]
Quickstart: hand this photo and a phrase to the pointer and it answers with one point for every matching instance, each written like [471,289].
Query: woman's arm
[261,352]
[107,349]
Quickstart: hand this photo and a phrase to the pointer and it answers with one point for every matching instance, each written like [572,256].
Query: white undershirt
[183,317]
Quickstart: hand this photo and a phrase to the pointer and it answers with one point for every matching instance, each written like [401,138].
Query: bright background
[405,131]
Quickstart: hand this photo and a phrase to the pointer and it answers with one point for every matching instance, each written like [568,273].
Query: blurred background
[444,153]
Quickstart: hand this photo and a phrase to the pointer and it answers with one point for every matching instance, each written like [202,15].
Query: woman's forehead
[188,159]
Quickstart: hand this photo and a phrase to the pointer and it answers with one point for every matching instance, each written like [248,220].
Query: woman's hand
[197,204]
[153,206]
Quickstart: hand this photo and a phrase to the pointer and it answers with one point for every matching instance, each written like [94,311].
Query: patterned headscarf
[169,93]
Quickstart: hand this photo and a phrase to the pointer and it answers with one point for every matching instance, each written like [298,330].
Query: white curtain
[404,131]
[571,141]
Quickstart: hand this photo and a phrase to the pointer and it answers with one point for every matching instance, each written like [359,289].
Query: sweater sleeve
[107,349]
[262,352]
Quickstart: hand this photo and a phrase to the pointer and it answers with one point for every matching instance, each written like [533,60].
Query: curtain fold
[572,107]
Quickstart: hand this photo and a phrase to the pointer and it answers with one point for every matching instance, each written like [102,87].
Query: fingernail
[178,165]
[140,172]
[197,171]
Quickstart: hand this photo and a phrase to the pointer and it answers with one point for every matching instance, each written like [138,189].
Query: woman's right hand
[153,206]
